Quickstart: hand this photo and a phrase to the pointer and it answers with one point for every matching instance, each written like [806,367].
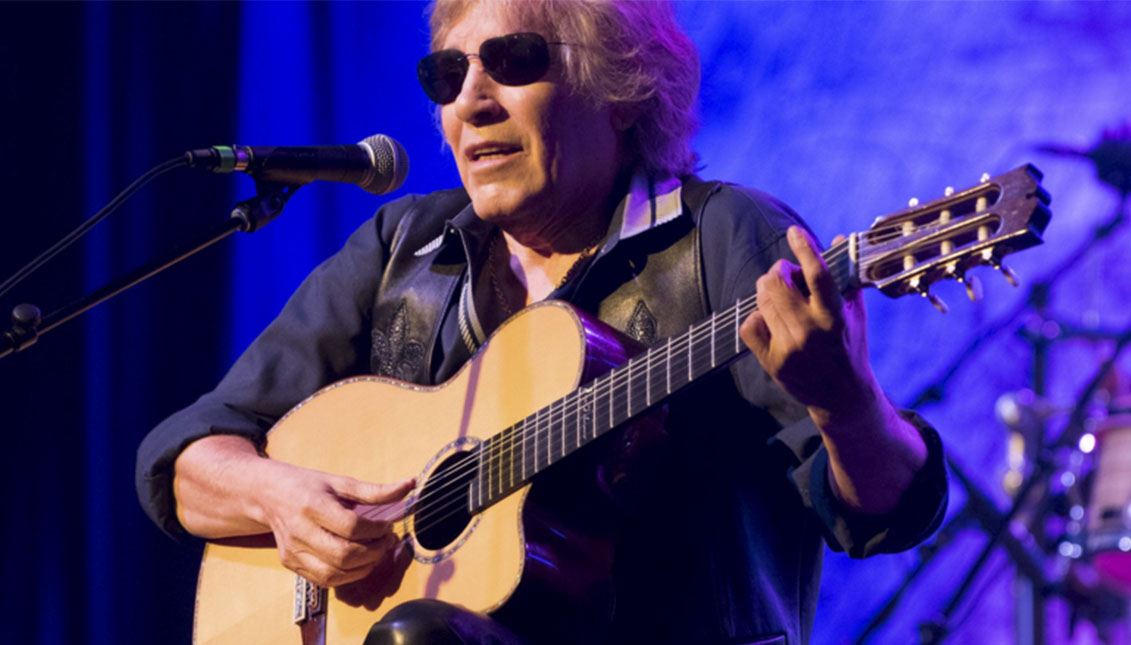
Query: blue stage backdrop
[843,110]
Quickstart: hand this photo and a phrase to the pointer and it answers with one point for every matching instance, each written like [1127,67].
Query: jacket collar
[648,204]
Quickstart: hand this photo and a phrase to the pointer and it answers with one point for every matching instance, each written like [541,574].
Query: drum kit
[1108,531]
[1067,530]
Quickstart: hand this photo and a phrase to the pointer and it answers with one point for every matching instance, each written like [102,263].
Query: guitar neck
[509,459]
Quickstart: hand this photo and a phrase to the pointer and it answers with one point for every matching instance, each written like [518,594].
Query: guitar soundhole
[441,509]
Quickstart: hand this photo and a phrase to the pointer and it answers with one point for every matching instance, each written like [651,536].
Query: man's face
[531,156]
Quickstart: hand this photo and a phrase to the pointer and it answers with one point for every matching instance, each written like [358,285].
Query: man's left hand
[809,339]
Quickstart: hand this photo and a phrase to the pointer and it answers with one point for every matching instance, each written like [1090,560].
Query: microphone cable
[84,228]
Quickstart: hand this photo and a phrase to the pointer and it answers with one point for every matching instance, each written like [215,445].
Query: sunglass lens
[441,75]
[516,59]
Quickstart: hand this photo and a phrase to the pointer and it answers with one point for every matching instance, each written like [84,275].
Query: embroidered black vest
[649,286]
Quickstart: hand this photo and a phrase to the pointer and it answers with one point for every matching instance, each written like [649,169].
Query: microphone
[376,164]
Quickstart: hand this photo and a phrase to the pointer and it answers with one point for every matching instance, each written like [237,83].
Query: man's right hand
[324,525]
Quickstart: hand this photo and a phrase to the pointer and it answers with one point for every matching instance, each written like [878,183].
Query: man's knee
[431,622]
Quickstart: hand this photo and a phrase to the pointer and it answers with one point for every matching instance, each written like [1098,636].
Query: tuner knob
[935,300]
[1010,276]
[973,287]
[985,177]
[949,191]
[913,202]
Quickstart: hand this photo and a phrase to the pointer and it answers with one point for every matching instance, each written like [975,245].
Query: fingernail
[794,234]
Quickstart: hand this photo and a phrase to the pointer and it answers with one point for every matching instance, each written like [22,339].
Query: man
[570,125]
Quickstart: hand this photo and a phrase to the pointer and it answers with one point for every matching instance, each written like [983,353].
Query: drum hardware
[996,523]
[1035,474]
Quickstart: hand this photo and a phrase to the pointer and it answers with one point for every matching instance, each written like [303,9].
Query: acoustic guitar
[550,381]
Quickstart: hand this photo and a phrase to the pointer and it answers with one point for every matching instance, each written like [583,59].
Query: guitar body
[383,430]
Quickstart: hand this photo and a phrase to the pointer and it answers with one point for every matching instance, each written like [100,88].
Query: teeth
[487,152]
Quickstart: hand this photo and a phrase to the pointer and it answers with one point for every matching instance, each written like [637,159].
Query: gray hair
[629,54]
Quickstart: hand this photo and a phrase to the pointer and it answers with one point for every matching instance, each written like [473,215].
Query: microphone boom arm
[248,216]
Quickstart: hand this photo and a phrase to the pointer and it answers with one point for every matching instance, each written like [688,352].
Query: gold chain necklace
[497,288]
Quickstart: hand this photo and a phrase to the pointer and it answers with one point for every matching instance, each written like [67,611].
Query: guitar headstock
[908,251]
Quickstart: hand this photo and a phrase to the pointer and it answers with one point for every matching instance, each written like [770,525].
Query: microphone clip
[268,203]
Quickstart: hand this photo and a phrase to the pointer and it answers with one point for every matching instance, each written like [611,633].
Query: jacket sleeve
[743,234]
[321,335]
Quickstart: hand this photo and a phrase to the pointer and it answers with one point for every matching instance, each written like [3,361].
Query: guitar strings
[606,387]
[567,406]
[525,432]
[427,508]
[429,514]
[500,446]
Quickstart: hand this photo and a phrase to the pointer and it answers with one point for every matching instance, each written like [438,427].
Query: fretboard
[509,459]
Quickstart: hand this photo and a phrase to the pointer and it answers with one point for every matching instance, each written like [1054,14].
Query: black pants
[431,622]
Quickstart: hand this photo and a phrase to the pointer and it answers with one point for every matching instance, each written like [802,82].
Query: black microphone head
[390,164]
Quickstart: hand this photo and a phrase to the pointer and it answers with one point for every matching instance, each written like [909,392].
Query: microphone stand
[248,216]
[994,523]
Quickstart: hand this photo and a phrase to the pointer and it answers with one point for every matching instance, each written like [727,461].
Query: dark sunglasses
[514,59]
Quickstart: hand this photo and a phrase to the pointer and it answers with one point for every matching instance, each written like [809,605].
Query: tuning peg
[1010,276]
[985,177]
[913,202]
[991,258]
[935,300]
[949,191]
[972,283]
[973,287]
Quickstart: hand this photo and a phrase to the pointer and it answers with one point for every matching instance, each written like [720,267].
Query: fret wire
[501,457]
[611,424]
[537,468]
[516,446]
[481,474]
[577,422]
[628,397]
[563,432]
[495,487]
[494,470]
[525,444]
[553,423]
[737,336]
[648,381]
[690,377]
[712,339]
[668,364]
[500,461]
[487,468]
[546,426]
[549,440]
[510,461]
[593,412]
